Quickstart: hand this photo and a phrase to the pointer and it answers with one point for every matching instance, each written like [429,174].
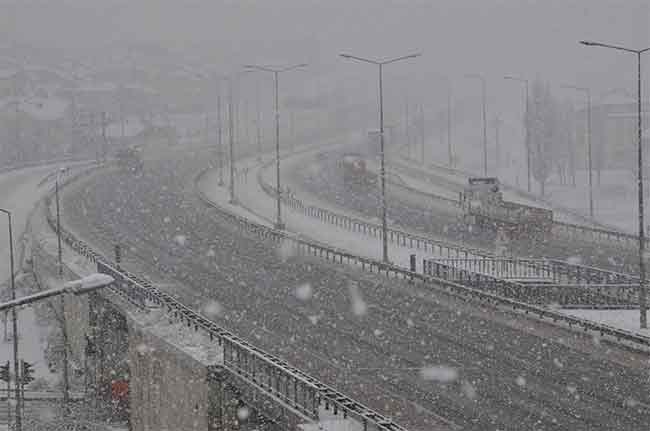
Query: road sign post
[5,376]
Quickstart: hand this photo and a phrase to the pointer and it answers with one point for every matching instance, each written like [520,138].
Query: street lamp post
[82,286]
[587,93]
[276,71]
[382,172]
[219,134]
[258,120]
[14,319]
[449,148]
[643,318]
[231,138]
[484,109]
[527,127]
[64,328]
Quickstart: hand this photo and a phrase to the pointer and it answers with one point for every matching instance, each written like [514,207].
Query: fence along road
[426,244]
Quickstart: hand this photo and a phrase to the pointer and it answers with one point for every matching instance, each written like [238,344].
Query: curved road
[381,341]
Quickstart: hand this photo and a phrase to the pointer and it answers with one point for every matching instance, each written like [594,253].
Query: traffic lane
[248,324]
[328,185]
[234,274]
[19,192]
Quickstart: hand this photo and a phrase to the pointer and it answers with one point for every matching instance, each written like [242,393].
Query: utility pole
[231,126]
[484,116]
[220,135]
[104,140]
[406,127]
[527,128]
[422,131]
[258,120]
[449,148]
[64,328]
[497,126]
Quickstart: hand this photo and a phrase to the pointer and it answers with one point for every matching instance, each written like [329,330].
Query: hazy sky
[493,37]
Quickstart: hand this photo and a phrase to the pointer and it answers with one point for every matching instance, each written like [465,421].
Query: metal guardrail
[556,270]
[439,283]
[504,268]
[531,289]
[355,224]
[300,392]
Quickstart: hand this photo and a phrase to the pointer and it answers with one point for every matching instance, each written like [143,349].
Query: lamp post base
[280,226]
[233,201]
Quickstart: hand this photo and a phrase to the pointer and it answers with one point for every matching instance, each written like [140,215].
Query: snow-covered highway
[380,341]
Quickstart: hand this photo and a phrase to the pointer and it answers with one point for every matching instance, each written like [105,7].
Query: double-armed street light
[526,126]
[643,318]
[276,71]
[382,173]
[587,93]
[484,111]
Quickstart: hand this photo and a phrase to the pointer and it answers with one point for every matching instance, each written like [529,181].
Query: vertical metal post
[384,223]
[589,160]
[258,120]
[64,329]
[278,221]
[406,126]
[449,149]
[527,126]
[642,290]
[220,134]
[58,229]
[8,395]
[14,318]
[422,130]
[483,91]
[66,378]
[231,127]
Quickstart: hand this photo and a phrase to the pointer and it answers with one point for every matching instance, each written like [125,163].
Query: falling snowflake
[439,373]
[521,381]
[574,260]
[468,390]
[359,306]
[243,413]
[212,309]
[410,323]
[304,292]
[287,250]
[180,240]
